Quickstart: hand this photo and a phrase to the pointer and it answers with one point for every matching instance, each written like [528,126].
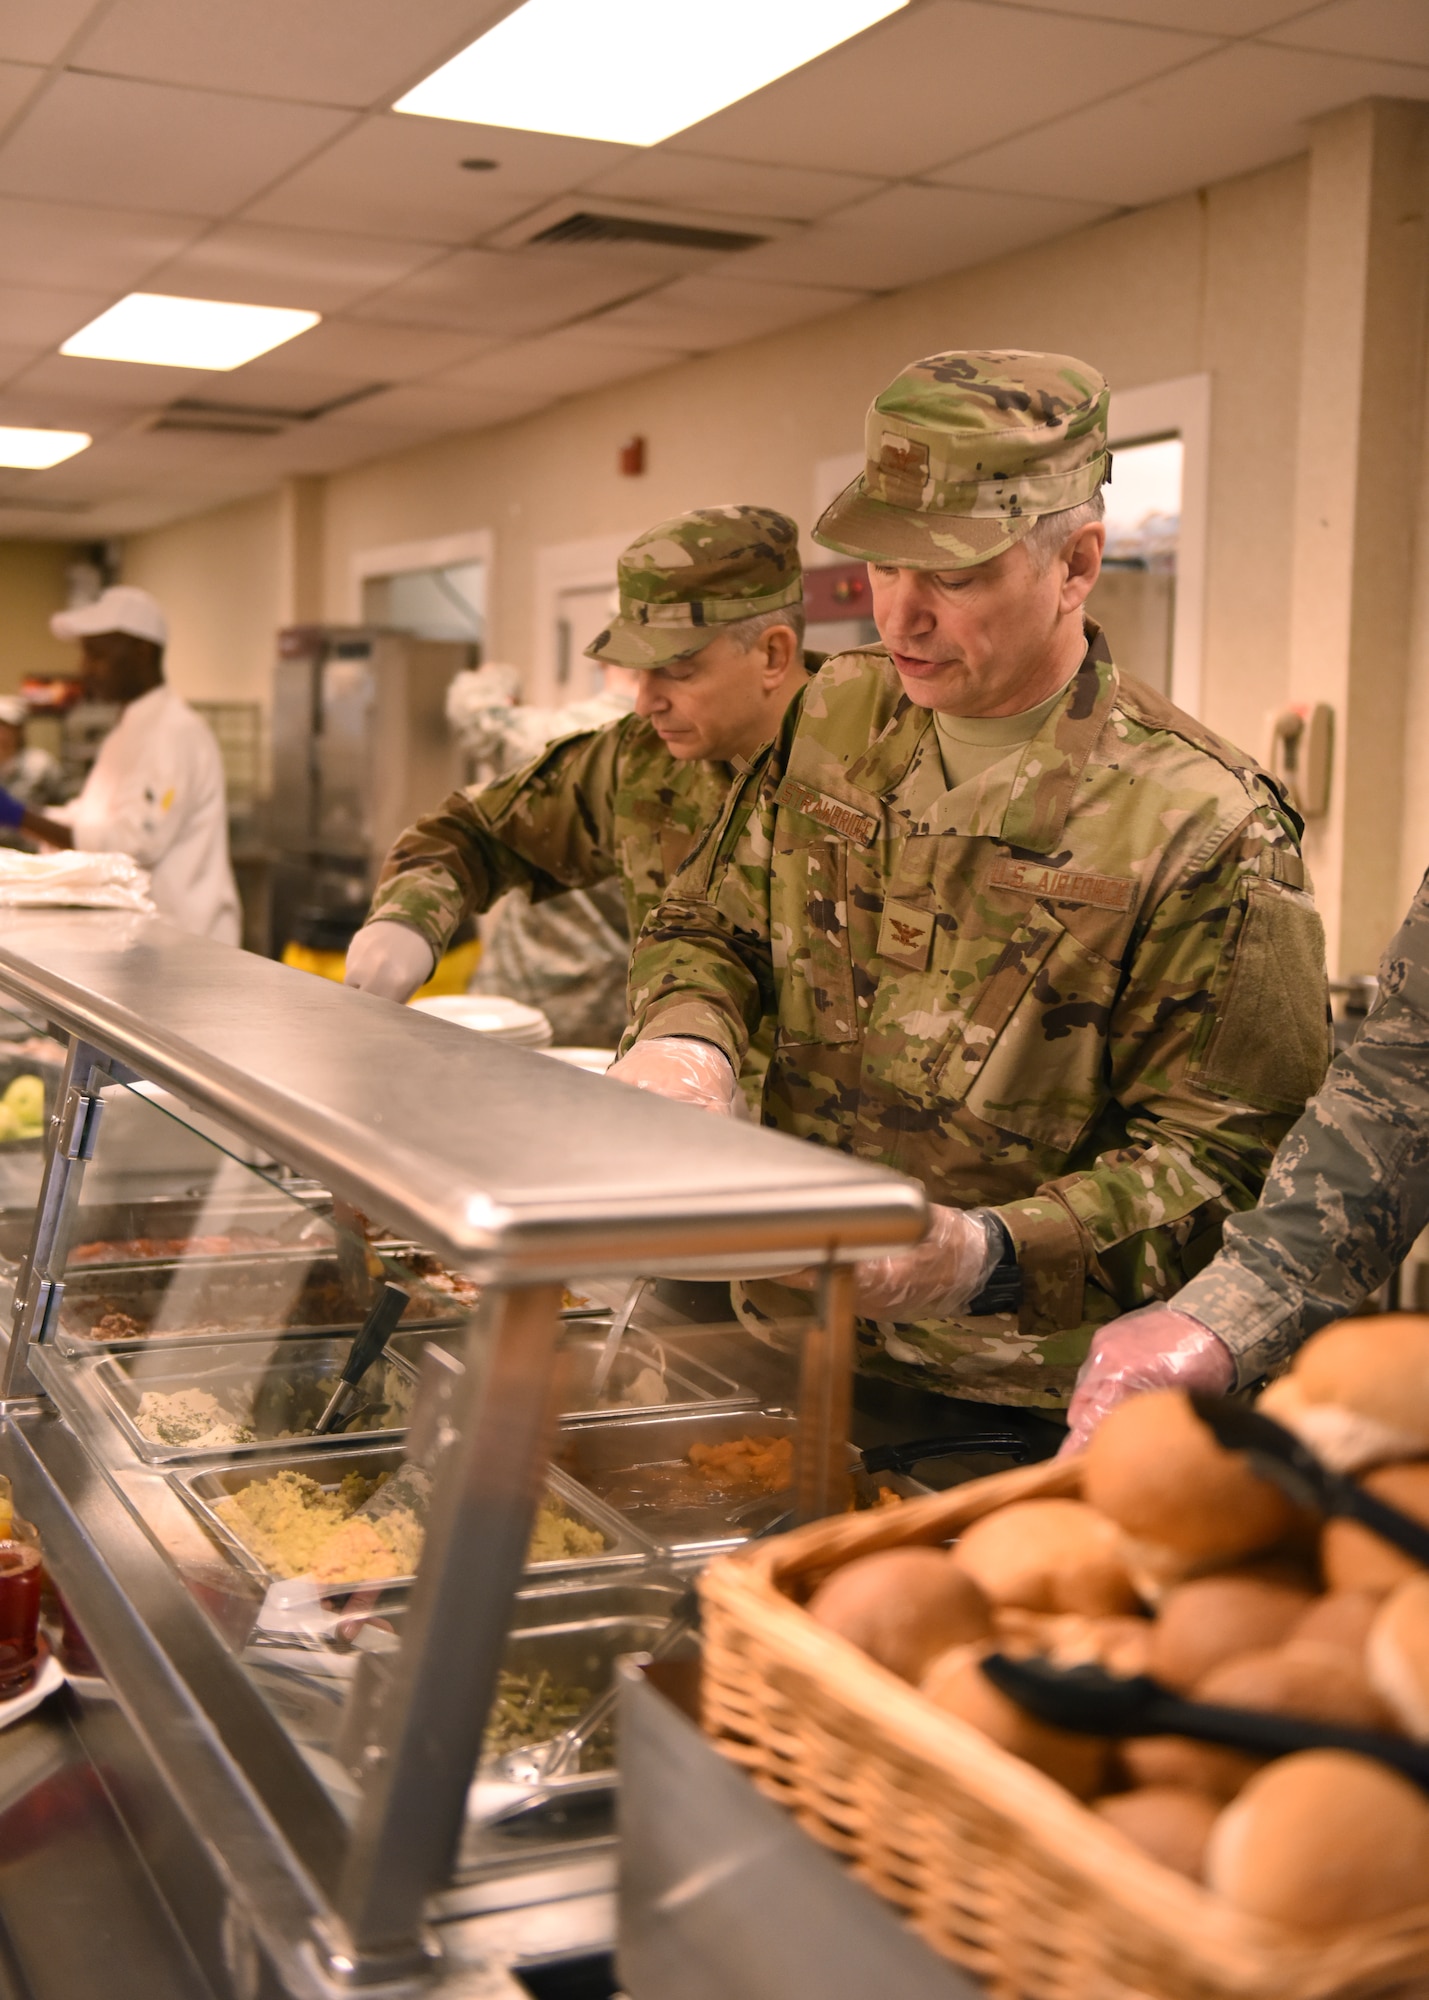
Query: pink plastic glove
[679,1067]
[1154,1348]
[940,1277]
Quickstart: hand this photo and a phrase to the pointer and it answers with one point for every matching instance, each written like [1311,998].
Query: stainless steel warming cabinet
[339,1699]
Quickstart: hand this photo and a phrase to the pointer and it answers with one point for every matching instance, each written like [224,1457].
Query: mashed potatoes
[295,1527]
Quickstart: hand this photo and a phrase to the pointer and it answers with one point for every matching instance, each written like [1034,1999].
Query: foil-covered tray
[274,1390]
[203,1489]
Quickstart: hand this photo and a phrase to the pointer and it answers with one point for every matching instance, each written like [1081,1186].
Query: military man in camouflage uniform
[1030,933]
[711,613]
[1346,1195]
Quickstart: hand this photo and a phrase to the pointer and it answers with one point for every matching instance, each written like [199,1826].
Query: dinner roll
[1169,1822]
[1355,1558]
[1397,1656]
[903,1607]
[1358,1393]
[1321,1683]
[1341,1618]
[1154,1469]
[1213,1618]
[1048,1555]
[958,1685]
[1322,1840]
[1181,1762]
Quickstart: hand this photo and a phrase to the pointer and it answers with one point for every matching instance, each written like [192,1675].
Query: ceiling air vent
[193,413]
[586,228]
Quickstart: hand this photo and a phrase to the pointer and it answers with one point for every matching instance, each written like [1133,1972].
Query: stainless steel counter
[521,1173]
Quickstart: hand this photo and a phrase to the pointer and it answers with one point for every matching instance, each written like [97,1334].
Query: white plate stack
[489,1014]
[597,1061]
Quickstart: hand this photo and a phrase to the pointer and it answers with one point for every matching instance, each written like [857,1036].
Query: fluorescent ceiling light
[186,333]
[632,71]
[36,449]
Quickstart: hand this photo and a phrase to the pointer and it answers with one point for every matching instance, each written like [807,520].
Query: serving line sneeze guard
[523,1175]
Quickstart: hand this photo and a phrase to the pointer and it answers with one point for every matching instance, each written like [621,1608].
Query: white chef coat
[156,793]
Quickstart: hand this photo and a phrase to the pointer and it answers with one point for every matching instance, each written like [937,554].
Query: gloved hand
[1153,1348]
[679,1067]
[942,1275]
[12,810]
[389,959]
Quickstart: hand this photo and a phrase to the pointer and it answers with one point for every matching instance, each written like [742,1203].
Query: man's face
[721,702]
[984,641]
[115,666]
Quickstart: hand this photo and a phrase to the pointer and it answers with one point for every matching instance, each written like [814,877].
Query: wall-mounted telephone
[1299,745]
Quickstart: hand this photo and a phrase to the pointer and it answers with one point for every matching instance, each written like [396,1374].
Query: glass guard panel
[30,1066]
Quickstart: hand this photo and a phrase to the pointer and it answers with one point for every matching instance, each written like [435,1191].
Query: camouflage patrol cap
[681,581]
[964,452]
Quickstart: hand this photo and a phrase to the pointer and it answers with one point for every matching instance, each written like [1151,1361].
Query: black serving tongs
[1089,1701]
[903,1457]
[375,1332]
[1279,1456]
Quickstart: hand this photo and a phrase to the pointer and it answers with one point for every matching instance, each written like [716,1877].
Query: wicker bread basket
[996,1866]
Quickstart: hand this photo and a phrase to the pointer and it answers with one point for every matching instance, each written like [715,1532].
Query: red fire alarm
[632,457]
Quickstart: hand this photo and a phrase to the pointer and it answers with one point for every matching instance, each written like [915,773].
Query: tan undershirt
[972,744]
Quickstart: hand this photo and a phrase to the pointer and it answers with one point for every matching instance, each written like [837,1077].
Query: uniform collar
[1023,802]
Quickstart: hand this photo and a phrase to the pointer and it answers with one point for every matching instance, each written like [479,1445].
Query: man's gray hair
[744,631]
[1048,535]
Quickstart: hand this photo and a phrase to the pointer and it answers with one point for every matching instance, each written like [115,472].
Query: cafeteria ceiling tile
[359,351]
[883,103]
[910,233]
[40,316]
[403,176]
[428,408]
[1236,110]
[18,83]
[143,145]
[115,385]
[266,266]
[1211,17]
[736,187]
[87,249]
[38,31]
[498,293]
[1389,30]
[350,52]
[706,312]
[562,364]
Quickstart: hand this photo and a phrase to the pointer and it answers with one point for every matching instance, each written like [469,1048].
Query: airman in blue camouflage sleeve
[711,615]
[1029,932]
[1346,1195]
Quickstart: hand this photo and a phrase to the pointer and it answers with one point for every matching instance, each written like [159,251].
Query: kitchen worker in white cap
[156,790]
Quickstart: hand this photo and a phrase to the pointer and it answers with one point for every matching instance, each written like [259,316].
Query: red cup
[21,1573]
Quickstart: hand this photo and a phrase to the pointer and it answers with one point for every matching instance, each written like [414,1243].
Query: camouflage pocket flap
[1007,981]
[1261,1050]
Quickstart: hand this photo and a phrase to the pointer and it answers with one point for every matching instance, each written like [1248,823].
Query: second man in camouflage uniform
[1030,933]
[711,613]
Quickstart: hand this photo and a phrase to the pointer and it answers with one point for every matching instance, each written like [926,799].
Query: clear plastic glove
[389,959]
[1154,1348]
[942,1276]
[679,1067]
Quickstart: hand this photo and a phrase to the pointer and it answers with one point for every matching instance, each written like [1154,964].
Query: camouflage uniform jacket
[1086,988]
[611,803]
[1348,1191]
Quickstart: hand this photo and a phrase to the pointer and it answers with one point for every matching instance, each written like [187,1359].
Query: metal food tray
[591,1453]
[220,1289]
[201,1487]
[166,1216]
[697,1386]
[245,1371]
